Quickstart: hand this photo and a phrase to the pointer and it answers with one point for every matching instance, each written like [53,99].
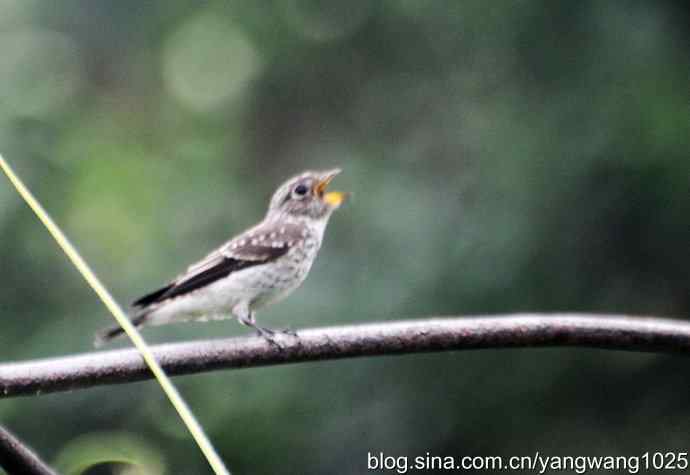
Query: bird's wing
[259,245]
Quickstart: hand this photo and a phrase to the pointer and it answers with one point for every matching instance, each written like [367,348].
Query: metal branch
[16,458]
[612,332]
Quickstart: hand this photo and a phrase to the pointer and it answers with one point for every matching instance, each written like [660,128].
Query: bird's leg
[250,321]
[246,317]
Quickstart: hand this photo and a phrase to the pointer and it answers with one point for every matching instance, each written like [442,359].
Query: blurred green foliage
[504,156]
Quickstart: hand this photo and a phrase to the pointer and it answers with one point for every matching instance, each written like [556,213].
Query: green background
[503,156]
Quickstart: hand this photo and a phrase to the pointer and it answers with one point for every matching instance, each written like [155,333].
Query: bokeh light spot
[207,63]
[40,70]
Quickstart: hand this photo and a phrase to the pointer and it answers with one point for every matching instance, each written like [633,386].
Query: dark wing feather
[222,269]
[231,257]
[196,281]
[153,297]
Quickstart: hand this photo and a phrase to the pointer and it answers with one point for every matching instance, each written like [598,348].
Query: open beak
[331,198]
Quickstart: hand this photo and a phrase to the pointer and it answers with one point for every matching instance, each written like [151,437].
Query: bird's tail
[105,335]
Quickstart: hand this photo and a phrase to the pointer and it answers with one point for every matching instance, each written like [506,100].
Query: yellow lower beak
[332,198]
[335,198]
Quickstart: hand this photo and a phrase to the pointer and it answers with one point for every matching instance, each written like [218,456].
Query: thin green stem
[180,405]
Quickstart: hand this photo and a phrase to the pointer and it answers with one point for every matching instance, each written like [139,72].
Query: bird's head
[305,196]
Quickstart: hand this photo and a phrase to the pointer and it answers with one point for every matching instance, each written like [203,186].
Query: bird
[256,268]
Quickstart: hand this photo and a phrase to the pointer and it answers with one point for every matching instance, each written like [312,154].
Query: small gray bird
[259,267]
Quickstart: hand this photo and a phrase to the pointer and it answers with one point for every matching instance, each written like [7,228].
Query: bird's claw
[265,331]
[288,331]
[269,334]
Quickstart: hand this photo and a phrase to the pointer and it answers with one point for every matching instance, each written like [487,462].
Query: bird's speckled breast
[287,273]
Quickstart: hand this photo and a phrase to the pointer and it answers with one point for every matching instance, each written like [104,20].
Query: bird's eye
[301,190]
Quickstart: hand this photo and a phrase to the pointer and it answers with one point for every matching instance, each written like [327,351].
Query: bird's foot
[266,331]
[288,331]
[269,334]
